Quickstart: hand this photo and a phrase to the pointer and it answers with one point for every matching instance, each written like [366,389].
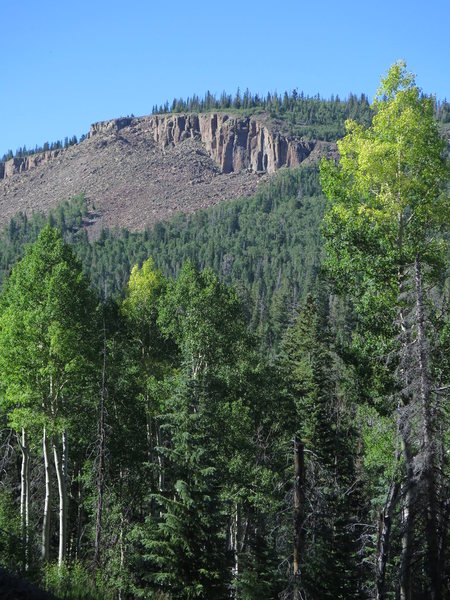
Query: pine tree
[187,550]
[309,368]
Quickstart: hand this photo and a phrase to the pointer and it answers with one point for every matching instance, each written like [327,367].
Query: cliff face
[138,171]
[19,165]
[234,143]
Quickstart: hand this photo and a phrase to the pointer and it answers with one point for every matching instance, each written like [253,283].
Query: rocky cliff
[235,143]
[137,171]
[19,165]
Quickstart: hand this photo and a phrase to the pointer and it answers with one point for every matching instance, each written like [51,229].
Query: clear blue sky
[67,64]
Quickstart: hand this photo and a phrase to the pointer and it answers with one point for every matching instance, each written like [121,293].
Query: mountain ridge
[136,171]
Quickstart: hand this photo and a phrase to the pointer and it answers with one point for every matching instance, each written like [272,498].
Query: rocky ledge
[235,143]
[19,165]
[138,171]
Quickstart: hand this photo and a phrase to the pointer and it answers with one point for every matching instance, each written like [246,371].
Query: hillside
[138,171]
[268,245]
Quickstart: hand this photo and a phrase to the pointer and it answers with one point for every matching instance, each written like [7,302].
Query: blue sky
[68,64]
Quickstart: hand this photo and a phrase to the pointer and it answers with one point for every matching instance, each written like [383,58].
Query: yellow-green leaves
[144,288]
[390,176]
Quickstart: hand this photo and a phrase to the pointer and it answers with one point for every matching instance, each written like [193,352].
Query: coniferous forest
[250,402]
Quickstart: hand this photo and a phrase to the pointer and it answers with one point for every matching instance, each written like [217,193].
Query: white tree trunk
[45,547]
[61,475]
[25,494]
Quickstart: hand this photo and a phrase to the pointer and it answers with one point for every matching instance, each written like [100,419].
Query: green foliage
[68,217]
[45,335]
[144,288]
[388,206]
[268,246]
[11,547]
[296,113]
[385,233]
[387,192]
[201,399]
[75,582]
[186,546]
[299,114]
[318,386]
[23,151]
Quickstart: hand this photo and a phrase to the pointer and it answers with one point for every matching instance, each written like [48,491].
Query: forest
[269,246]
[250,402]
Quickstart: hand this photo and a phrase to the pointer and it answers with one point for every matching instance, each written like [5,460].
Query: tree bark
[383,542]
[234,537]
[61,474]
[25,496]
[45,547]
[428,472]
[79,517]
[159,441]
[299,513]
[404,426]
[407,517]
[101,462]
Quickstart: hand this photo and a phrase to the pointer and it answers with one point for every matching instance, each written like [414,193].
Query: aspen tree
[46,349]
[384,241]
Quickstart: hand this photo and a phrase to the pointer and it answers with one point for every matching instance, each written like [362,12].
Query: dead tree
[299,514]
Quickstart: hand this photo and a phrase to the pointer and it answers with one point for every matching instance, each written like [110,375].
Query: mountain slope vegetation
[268,245]
[246,402]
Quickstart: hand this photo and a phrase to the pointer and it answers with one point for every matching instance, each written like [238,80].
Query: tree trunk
[79,517]
[234,538]
[404,426]
[160,459]
[25,496]
[149,432]
[407,517]
[61,475]
[383,543]
[443,562]
[444,508]
[428,472]
[45,547]
[299,513]
[101,462]
[122,551]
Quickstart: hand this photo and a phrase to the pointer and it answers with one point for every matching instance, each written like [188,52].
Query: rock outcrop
[138,171]
[21,164]
[235,143]
[112,126]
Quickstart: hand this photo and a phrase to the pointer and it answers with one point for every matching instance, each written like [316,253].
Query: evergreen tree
[314,378]
[187,547]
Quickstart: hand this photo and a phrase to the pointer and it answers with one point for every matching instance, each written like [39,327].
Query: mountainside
[138,171]
[268,245]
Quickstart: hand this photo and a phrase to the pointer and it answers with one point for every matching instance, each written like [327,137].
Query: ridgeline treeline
[166,434]
[58,145]
[300,114]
